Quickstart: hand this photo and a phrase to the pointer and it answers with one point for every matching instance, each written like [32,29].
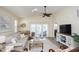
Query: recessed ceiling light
[35,9]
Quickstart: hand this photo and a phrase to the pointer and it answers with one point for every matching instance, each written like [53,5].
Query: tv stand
[62,46]
[66,40]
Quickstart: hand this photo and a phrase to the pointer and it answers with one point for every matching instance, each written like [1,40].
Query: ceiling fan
[45,14]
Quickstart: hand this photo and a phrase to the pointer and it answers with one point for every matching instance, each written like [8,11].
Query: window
[41,30]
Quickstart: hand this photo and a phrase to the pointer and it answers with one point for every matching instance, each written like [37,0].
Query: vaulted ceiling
[27,11]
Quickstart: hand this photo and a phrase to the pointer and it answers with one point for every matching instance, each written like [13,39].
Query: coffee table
[36,44]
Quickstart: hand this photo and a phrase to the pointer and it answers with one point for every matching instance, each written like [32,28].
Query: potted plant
[76,37]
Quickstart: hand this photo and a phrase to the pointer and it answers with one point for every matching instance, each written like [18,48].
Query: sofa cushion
[2,38]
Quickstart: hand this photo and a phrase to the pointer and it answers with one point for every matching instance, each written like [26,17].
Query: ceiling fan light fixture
[45,13]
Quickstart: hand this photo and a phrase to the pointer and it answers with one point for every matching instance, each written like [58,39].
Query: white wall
[68,15]
[39,20]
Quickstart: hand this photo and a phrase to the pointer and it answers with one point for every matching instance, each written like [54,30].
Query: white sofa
[2,38]
[21,44]
[14,42]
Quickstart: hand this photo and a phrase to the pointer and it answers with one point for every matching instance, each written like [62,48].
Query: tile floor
[48,44]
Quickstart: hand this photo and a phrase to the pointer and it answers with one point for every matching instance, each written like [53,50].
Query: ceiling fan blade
[48,16]
[45,14]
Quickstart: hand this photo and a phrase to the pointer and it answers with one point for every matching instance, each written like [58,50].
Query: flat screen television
[65,29]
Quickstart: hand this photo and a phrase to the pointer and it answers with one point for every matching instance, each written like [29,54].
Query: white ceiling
[25,11]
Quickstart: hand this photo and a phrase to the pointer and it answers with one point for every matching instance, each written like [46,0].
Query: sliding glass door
[41,30]
[45,30]
[38,30]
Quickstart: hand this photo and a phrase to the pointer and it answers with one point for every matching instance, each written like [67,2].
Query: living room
[30,21]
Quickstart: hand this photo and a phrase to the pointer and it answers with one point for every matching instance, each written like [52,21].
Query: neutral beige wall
[39,20]
[68,15]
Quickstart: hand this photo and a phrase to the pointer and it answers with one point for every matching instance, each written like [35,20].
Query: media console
[66,40]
